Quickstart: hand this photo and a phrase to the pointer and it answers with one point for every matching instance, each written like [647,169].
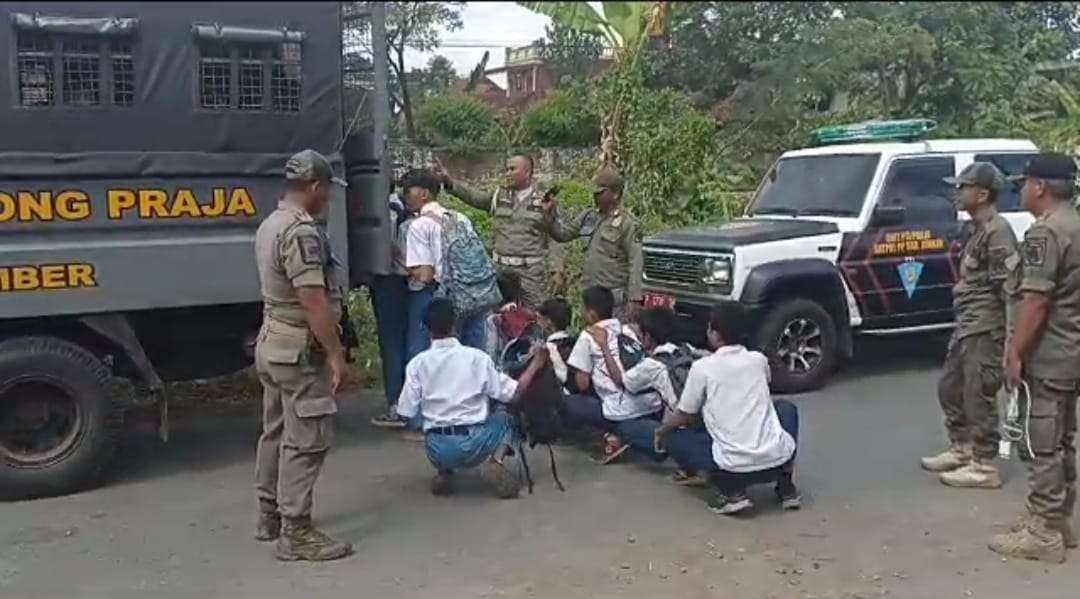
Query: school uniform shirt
[450,384]
[423,245]
[730,389]
[557,363]
[617,404]
[652,374]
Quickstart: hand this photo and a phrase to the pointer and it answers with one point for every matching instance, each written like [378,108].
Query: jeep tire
[799,338]
[58,423]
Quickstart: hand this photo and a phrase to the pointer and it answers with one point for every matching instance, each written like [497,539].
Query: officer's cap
[608,179]
[309,165]
[1049,165]
[979,174]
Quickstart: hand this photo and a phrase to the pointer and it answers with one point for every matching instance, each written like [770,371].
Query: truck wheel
[58,424]
[799,338]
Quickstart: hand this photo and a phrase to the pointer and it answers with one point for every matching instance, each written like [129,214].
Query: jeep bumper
[694,318]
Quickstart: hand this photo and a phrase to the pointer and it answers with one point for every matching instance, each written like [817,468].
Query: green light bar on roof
[871,131]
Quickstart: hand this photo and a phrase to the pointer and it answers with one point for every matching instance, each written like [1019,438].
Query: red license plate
[658,300]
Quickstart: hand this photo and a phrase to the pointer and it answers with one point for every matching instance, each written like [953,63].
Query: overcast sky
[495,25]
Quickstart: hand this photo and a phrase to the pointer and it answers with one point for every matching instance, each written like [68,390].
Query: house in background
[528,78]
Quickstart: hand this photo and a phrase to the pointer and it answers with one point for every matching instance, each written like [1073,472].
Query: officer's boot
[976,474]
[1035,541]
[302,541]
[956,456]
[268,525]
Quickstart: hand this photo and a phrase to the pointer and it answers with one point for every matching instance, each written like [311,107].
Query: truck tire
[58,423]
[799,338]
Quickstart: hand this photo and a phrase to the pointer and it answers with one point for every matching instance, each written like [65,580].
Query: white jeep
[839,239]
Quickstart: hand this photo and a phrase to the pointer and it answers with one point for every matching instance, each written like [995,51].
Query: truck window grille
[82,72]
[35,63]
[285,80]
[123,73]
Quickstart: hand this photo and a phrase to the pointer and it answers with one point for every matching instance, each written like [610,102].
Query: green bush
[458,120]
[563,119]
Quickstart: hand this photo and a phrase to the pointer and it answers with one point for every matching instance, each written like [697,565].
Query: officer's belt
[517,260]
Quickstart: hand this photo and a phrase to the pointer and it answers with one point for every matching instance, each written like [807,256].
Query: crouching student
[748,440]
[451,386]
[554,319]
[613,409]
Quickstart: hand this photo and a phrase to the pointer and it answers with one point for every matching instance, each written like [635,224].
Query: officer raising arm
[523,243]
[300,361]
[1041,354]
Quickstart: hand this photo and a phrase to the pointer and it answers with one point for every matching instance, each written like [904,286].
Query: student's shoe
[388,420]
[730,504]
[442,485]
[788,496]
[506,484]
[612,450]
[412,436]
[681,478]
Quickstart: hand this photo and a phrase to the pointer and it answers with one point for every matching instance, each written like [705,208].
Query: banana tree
[625,27]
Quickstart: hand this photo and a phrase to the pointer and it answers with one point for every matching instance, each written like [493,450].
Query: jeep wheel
[58,424]
[799,338]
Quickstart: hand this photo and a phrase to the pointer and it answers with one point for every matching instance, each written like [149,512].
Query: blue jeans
[638,433]
[417,337]
[471,331]
[692,451]
[453,452]
[390,300]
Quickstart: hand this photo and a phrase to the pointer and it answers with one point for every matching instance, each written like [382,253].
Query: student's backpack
[565,346]
[678,365]
[536,414]
[468,274]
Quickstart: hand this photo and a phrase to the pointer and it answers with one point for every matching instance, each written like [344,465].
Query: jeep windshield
[825,185]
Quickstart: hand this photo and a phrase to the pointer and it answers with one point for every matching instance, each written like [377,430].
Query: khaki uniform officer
[972,377]
[613,257]
[300,361]
[1042,354]
[522,235]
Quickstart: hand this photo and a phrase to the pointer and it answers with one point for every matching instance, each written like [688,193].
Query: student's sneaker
[413,436]
[506,484]
[729,504]
[442,485]
[787,494]
[388,420]
[612,450]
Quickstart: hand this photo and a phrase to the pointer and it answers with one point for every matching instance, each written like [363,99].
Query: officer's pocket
[609,234]
[991,377]
[314,430]
[282,349]
[1047,422]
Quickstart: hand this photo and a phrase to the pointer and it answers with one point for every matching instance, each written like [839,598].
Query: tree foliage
[563,119]
[458,120]
[568,53]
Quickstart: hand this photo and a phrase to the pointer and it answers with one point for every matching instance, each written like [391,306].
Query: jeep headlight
[717,272]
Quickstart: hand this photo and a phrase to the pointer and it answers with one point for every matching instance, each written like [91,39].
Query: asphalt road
[176,520]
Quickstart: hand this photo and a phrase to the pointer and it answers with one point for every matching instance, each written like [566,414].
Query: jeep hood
[741,232]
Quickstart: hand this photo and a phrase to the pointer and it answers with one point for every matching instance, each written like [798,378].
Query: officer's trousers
[1052,471]
[298,411]
[534,281]
[968,392]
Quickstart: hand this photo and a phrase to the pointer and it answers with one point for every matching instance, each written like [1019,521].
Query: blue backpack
[468,275]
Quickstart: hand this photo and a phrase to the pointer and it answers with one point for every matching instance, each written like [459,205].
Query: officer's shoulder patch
[310,247]
[1034,251]
[998,261]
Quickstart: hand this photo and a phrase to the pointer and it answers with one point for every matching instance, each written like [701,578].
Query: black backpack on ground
[536,414]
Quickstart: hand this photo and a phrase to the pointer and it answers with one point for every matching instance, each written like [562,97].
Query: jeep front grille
[677,268]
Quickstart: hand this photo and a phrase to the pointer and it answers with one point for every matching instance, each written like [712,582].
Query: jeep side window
[917,185]
[1009,164]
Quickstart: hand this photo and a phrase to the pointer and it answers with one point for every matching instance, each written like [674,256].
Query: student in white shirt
[612,407]
[749,439]
[451,387]
[554,318]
